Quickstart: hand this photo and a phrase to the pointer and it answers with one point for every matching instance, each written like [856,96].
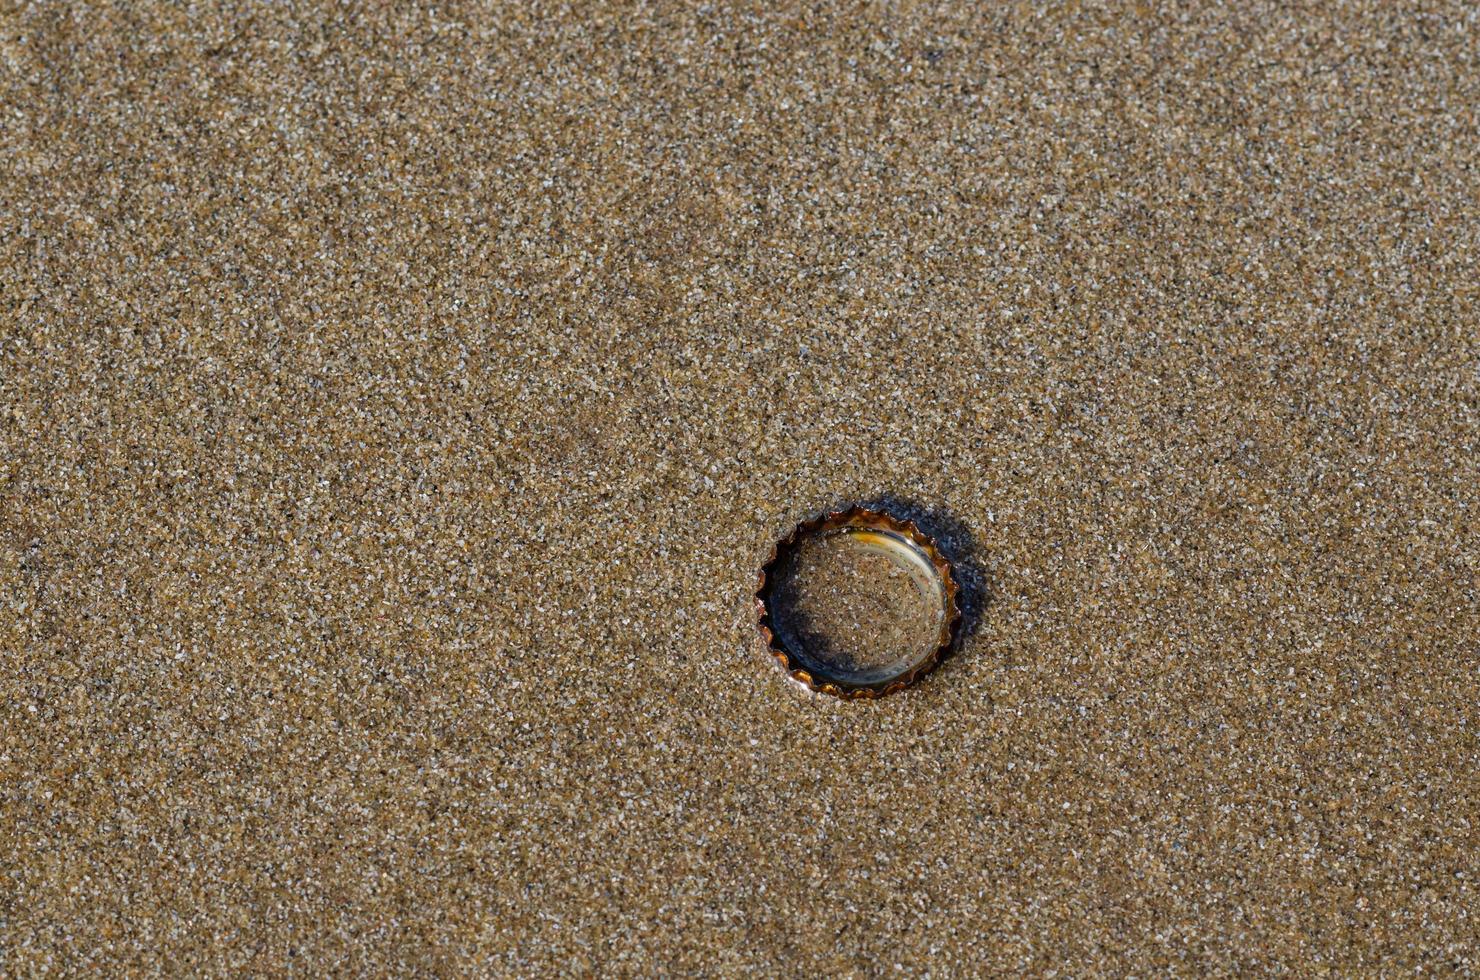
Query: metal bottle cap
[902,553]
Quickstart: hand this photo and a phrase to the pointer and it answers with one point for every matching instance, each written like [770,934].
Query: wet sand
[396,406]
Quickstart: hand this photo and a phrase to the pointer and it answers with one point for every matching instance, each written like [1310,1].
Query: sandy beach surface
[397,402]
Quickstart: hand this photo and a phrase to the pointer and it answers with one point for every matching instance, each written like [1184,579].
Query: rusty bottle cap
[857,603]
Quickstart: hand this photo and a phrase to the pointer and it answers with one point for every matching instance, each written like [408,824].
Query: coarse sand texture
[400,402]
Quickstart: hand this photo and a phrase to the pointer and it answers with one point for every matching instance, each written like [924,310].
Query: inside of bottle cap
[857,605]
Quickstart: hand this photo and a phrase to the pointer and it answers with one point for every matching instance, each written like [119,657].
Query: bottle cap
[857,603]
